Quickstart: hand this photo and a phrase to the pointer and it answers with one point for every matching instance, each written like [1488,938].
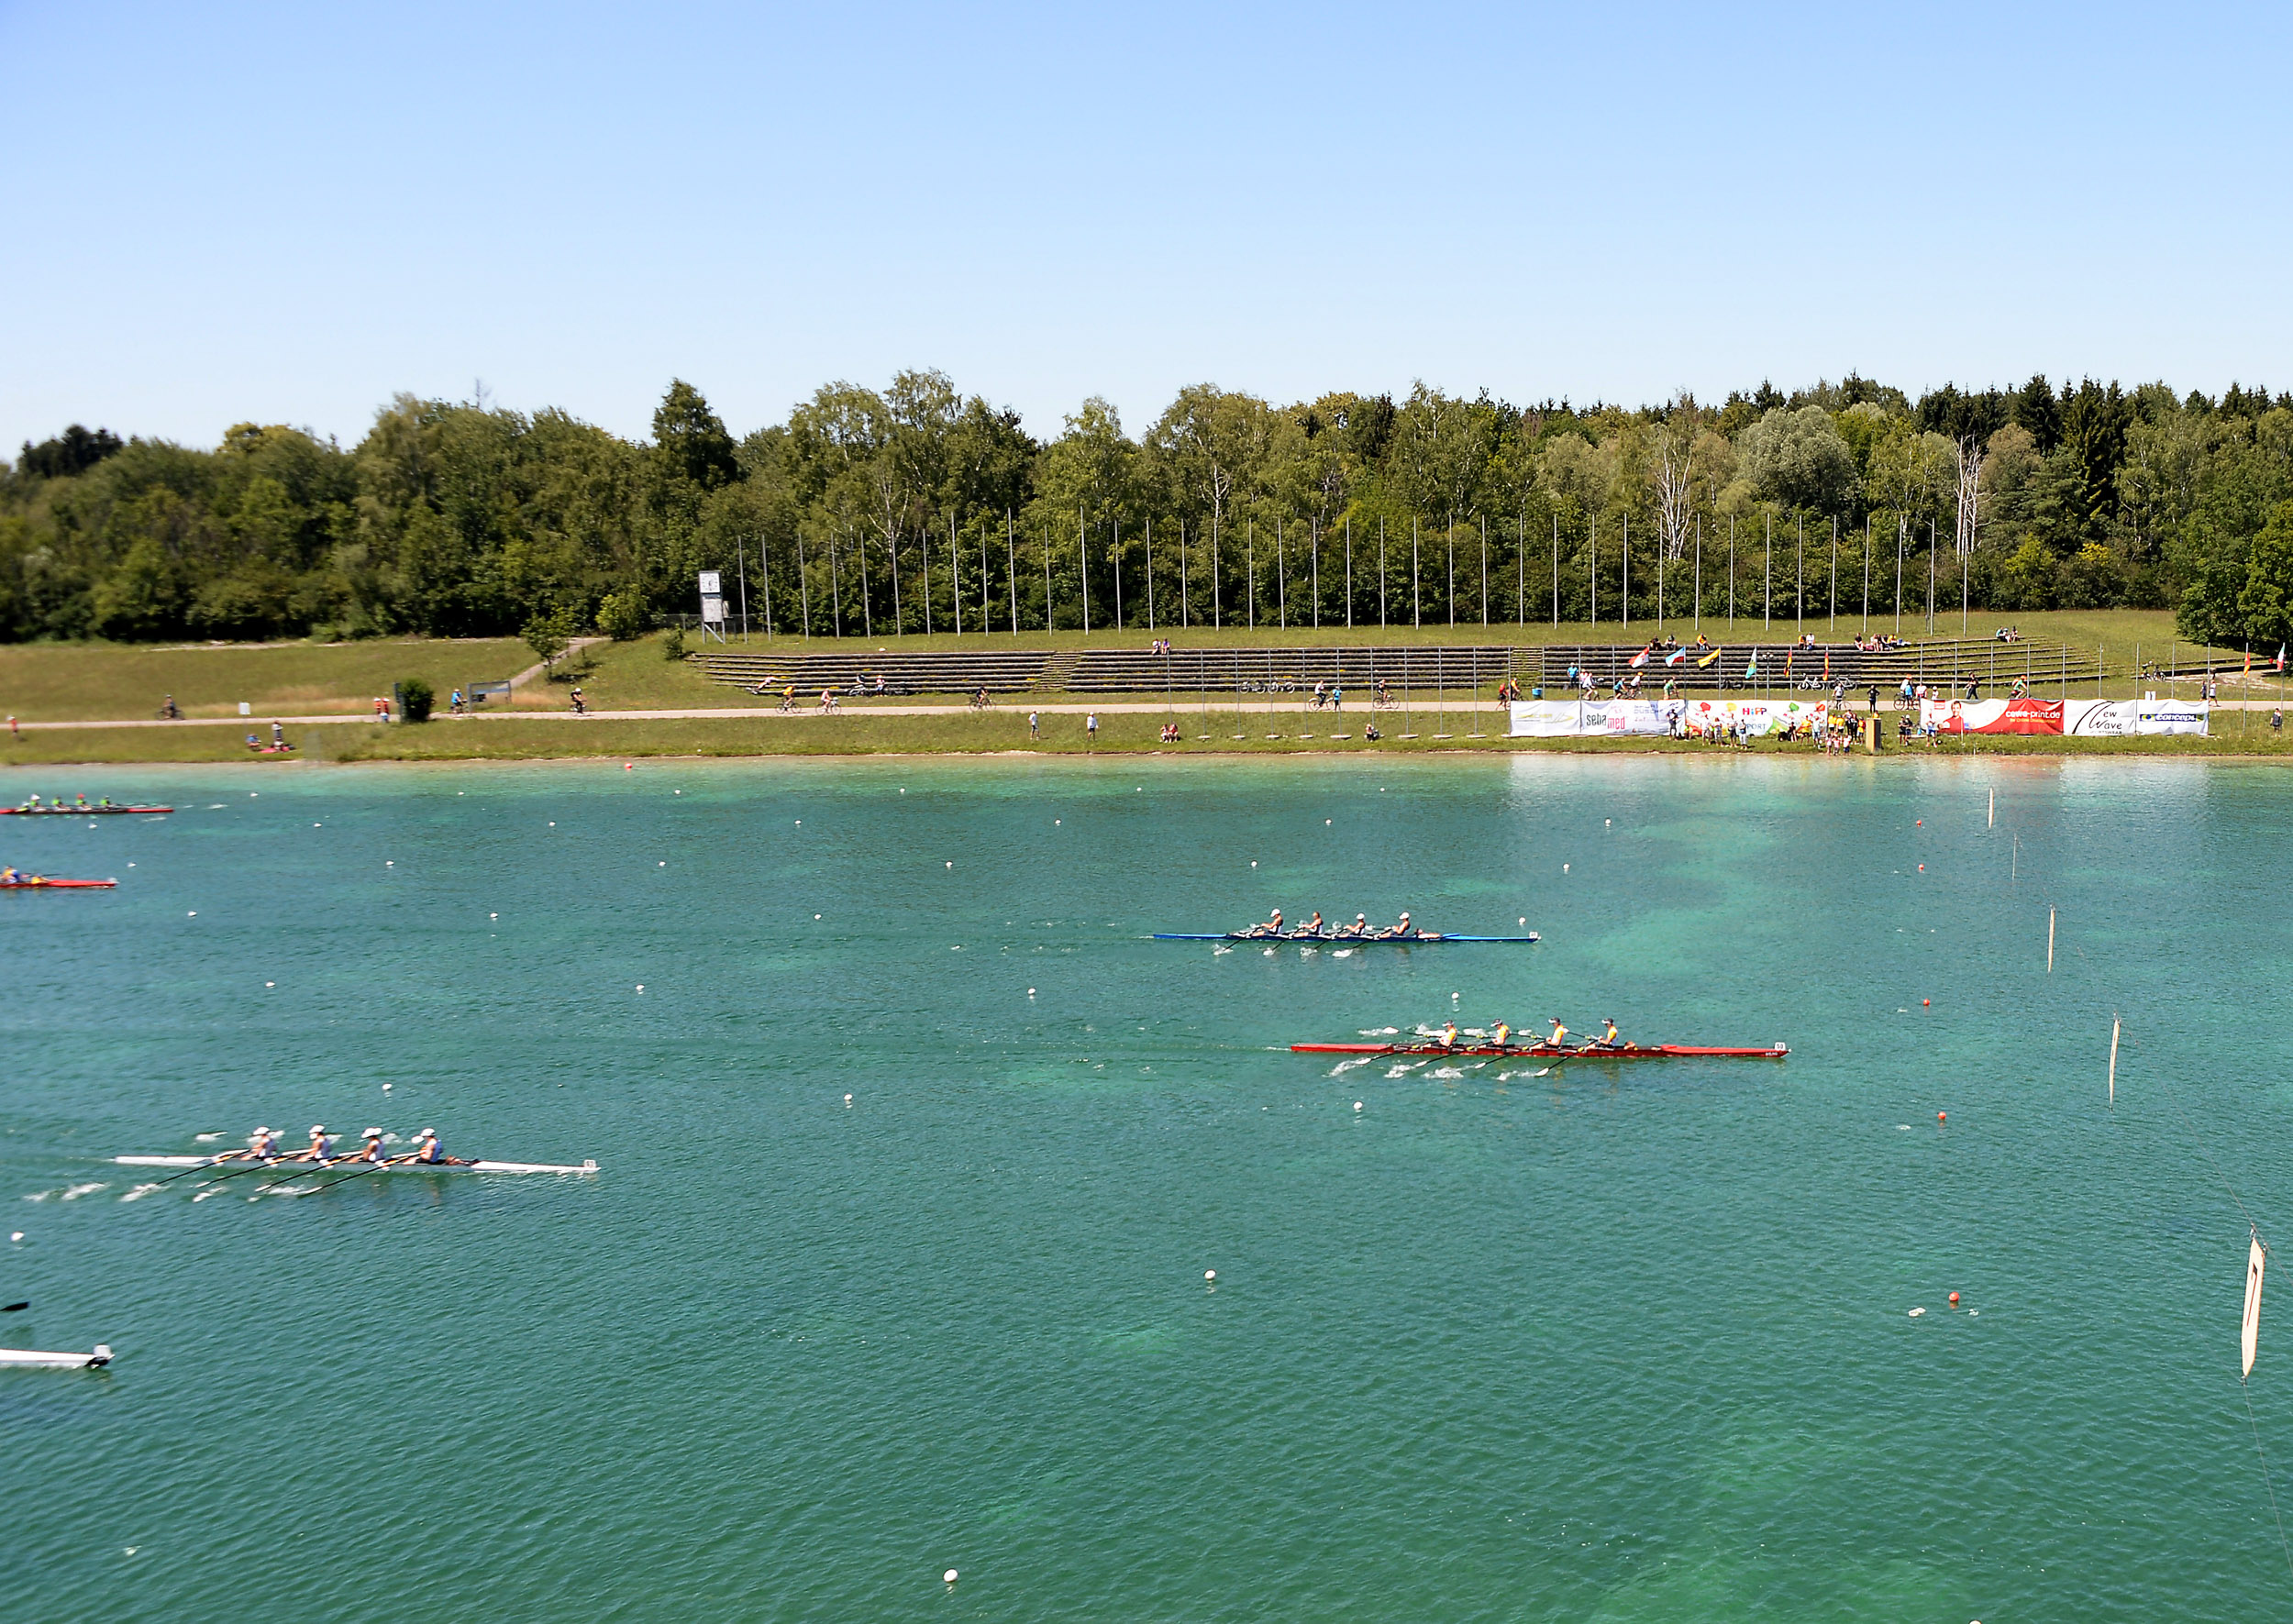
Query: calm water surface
[1618,1344]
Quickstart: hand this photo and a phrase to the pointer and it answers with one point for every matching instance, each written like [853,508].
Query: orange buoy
[1919,823]
[1922,868]
[1926,1003]
[1955,1300]
[1940,1117]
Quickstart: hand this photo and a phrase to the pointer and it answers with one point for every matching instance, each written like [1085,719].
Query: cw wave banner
[1656,718]
[2116,718]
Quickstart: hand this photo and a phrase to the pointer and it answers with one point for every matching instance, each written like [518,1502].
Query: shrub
[672,646]
[414,699]
[621,615]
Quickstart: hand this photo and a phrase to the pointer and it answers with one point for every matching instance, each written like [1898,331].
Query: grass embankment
[999,732]
[116,681]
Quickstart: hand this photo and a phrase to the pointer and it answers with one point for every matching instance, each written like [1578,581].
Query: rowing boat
[1547,1051]
[77,811]
[1423,938]
[37,884]
[353,1165]
[27,1359]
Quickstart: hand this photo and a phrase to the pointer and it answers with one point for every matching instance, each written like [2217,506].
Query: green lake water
[1616,1343]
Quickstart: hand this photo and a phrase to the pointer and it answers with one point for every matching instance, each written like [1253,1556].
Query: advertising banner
[1658,718]
[2077,718]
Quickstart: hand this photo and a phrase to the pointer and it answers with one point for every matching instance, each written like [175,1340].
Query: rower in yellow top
[1449,1035]
[1502,1035]
[1608,1039]
[1559,1040]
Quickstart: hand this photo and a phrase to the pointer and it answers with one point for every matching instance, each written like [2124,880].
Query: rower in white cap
[371,1150]
[429,1151]
[322,1148]
[262,1146]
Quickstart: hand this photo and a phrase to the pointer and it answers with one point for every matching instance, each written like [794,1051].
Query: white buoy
[815,916]
[847,1100]
[385,1088]
[193,914]
[640,987]
[1608,822]
[1210,1274]
[1326,822]
[493,916]
[1357,1105]
[949,1576]
[662,864]
[1563,867]
[951,865]
[1030,992]
[271,984]
[1253,862]
[388,864]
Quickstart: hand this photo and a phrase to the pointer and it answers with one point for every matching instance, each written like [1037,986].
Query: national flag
[1641,658]
[1707,659]
[1827,665]
[1674,657]
[2281,657]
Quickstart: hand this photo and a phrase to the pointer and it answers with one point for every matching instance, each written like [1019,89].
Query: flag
[1674,657]
[1827,665]
[1641,658]
[2281,657]
[1707,659]
[1751,666]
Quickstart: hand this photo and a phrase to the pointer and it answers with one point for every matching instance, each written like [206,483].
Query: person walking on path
[1034,724]
[1090,729]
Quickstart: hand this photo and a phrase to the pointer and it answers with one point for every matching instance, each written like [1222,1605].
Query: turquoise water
[1622,1344]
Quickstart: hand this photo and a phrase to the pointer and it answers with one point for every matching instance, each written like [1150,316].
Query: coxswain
[322,1148]
[1502,1034]
[1559,1040]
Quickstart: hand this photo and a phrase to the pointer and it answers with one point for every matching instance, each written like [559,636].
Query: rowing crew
[429,1151]
[34,804]
[1361,930]
[1501,1037]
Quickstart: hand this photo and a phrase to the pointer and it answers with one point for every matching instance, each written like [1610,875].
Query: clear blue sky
[287,213]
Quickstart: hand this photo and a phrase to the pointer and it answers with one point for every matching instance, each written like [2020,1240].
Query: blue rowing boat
[1422,939]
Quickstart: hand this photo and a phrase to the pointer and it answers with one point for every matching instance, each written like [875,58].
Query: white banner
[2116,718]
[1658,718]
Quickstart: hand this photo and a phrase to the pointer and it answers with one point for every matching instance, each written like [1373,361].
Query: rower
[371,1149]
[1608,1039]
[430,1152]
[1449,1034]
[1559,1040]
[262,1146]
[1502,1034]
[1312,927]
[1272,927]
[1405,930]
[322,1148]
[1360,927]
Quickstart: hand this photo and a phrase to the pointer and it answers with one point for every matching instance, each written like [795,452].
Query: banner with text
[2078,718]
[1658,718]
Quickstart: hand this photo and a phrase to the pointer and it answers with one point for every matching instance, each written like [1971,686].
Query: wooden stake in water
[1994,811]
[2113,1061]
[2050,941]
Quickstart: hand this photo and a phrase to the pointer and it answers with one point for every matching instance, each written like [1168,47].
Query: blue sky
[288,213]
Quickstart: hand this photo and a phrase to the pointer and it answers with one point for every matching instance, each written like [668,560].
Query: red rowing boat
[76,811]
[37,884]
[1547,1051]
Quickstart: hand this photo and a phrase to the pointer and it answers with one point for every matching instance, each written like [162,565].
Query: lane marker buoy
[948,1577]
[1210,1274]
[1939,1116]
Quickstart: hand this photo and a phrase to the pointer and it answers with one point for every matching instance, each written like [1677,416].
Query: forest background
[905,508]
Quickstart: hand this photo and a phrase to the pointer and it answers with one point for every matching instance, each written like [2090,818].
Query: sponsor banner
[2117,718]
[2025,716]
[2078,718]
[1655,718]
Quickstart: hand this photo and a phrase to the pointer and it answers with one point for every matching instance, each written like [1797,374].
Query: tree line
[916,508]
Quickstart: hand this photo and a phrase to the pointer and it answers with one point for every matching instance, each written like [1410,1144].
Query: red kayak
[75,811]
[1547,1051]
[37,884]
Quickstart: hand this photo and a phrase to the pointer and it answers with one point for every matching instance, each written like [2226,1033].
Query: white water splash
[1445,1071]
[1343,1067]
[77,1190]
[139,1191]
[1343,953]
[206,1138]
[1398,1071]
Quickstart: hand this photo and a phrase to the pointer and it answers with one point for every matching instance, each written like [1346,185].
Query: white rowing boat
[27,1359]
[353,1165]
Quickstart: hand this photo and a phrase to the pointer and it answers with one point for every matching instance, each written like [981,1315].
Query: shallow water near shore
[1616,1342]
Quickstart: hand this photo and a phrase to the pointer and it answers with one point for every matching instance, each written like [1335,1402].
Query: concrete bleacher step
[1058,672]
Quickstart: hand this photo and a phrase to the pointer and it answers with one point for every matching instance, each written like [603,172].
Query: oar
[14,1308]
[206,1166]
[362,1173]
[248,1166]
[325,1166]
